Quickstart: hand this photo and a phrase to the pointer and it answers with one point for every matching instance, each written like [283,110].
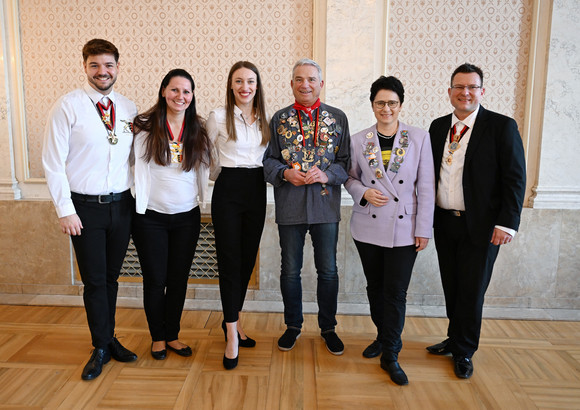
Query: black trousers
[465,274]
[100,251]
[238,209]
[166,246]
[388,273]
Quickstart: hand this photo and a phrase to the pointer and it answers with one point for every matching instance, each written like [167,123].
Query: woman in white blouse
[172,160]
[239,132]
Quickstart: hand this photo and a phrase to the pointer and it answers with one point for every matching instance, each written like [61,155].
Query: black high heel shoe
[230,364]
[247,342]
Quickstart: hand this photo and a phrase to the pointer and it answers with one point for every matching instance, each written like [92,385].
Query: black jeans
[100,251]
[238,209]
[166,246]
[388,273]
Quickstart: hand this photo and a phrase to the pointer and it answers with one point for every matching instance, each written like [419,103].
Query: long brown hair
[196,143]
[258,104]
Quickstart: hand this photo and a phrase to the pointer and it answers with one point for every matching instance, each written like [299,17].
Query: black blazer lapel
[477,134]
[439,131]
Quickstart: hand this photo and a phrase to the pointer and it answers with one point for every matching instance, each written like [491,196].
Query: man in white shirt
[87,145]
[481,179]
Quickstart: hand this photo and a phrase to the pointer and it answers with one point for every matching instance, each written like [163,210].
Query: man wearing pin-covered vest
[87,145]
[307,162]
[480,178]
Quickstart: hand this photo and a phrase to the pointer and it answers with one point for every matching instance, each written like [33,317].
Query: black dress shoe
[463,367]
[440,349]
[397,374]
[94,366]
[230,364]
[159,354]
[373,350]
[119,353]
[184,351]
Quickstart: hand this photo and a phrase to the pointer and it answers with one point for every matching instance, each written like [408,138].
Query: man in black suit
[481,178]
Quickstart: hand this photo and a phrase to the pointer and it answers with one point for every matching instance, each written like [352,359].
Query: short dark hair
[98,46]
[467,68]
[388,83]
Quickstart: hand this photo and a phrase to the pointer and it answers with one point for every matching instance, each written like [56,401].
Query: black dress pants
[465,275]
[238,209]
[388,273]
[166,246]
[100,251]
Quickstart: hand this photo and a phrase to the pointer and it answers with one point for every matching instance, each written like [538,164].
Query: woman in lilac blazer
[392,183]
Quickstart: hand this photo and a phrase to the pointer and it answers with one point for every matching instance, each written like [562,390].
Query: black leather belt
[101,199]
[452,212]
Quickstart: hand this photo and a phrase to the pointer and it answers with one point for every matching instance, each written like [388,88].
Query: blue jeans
[324,239]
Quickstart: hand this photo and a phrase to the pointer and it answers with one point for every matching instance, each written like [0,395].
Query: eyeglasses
[381,104]
[471,87]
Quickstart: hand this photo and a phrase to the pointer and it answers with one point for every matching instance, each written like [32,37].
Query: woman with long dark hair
[172,160]
[240,134]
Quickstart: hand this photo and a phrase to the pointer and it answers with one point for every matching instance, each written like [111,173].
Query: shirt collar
[96,96]
[238,113]
[469,120]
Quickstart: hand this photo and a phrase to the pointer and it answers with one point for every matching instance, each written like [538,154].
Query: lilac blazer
[410,189]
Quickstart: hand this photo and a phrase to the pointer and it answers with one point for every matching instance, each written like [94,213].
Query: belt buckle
[108,196]
[456,213]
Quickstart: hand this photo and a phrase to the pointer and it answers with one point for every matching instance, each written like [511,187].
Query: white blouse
[166,189]
[246,151]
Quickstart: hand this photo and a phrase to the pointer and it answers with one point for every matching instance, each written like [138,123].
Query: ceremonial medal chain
[454,145]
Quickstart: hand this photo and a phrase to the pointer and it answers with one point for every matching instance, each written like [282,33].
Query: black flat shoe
[94,366]
[159,354]
[120,353]
[184,351]
[230,364]
[373,350]
[463,367]
[397,374]
[440,349]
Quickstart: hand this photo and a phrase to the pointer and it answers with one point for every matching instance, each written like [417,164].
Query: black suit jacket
[494,175]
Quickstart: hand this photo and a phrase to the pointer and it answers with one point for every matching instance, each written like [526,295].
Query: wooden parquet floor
[520,365]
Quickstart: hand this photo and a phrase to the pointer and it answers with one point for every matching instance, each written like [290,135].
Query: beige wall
[204,37]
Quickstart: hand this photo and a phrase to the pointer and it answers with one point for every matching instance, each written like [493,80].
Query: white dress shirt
[245,152]
[450,190]
[167,189]
[77,156]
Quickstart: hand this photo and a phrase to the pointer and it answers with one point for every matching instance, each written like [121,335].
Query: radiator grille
[204,264]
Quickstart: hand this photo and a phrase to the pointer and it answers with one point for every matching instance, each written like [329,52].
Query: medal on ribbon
[107,113]
[454,145]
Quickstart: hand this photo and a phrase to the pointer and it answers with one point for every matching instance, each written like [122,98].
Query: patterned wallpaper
[153,36]
[427,40]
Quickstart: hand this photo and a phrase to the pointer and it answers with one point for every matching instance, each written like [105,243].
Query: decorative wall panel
[427,40]
[204,37]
